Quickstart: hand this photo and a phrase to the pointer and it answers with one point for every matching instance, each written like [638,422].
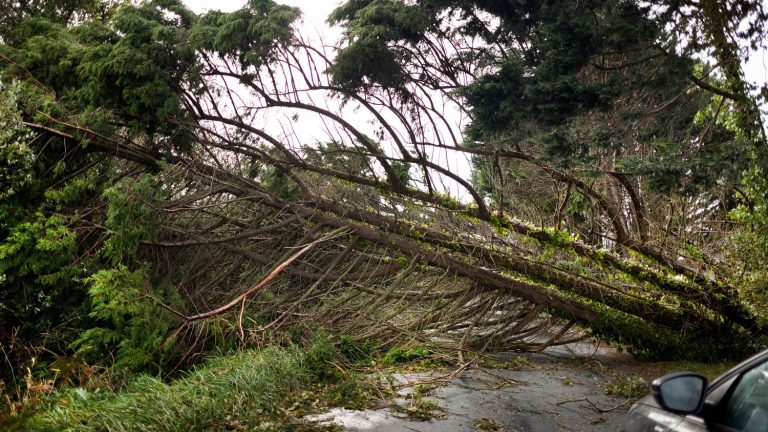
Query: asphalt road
[560,390]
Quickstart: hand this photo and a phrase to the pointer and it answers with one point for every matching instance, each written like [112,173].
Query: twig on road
[597,408]
[605,410]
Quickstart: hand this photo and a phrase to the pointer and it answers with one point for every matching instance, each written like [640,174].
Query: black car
[736,401]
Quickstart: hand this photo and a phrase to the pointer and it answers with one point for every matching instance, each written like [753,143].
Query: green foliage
[124,76]
[559,81]
[251,35]
[630,387]
[45,237]
[354,351]
[556,237]
[540,84]
[46,245]
[60,11]
[402,171]
[648,341]
[16,155]
[750,243]
[129,216]
[578,208]
[641,339]
[318,356]
[40,286]
[404,354]
[674,169]
[279,183]
[370,27]
[129,69]
[133,328]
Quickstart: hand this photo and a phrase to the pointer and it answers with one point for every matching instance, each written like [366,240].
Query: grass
[636,386]
[709,370]
[255,390]
[252,390]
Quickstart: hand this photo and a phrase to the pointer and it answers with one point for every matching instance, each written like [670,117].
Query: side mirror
[681,393]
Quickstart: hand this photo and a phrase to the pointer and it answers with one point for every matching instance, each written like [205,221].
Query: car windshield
[747,409]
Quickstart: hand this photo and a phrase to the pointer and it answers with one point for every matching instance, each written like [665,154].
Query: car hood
[646,415]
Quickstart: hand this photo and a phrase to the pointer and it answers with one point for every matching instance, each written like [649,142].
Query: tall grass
[248,385]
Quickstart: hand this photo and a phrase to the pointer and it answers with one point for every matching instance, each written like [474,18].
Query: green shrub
[404,354]
[131,327]
[355,351]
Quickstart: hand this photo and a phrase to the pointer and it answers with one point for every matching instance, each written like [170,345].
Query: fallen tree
[165,159]
[507,273]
